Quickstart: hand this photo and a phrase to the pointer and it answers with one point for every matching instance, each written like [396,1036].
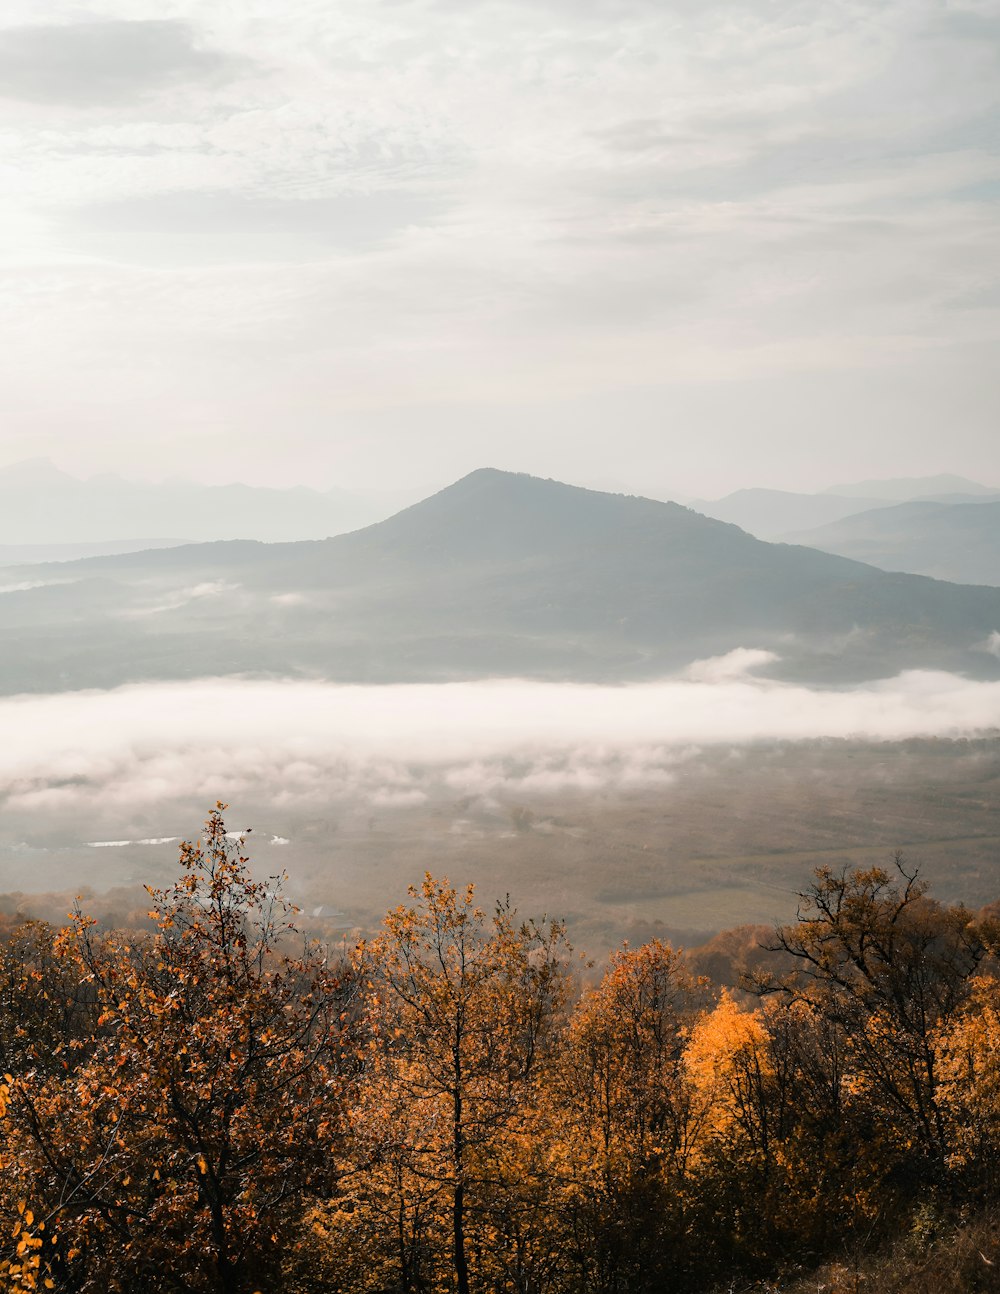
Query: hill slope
[771,514]
[956,541]
[497,574]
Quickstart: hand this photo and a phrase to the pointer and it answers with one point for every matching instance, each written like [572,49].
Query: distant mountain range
[784,514]
[905,488]
[499,574]
[955,541]
[771,514]
[47,514]
[41,505]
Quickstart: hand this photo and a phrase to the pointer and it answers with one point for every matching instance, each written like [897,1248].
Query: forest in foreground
[209,1101]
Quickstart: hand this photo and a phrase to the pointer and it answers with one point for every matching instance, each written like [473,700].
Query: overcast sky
[670,245]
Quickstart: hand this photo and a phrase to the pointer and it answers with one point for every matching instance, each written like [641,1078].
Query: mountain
[499,574]
[771,514]
[39,504]
[903,489]
[955,541]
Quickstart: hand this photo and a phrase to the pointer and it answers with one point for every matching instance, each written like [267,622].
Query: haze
[396,745]
[316,319]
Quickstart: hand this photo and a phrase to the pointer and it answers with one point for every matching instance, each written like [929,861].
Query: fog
[300,742]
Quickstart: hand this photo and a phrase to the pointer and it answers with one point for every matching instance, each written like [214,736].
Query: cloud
[216,228]
[395,746]
[734,665]
[435,228]
[182,597]
[24,585]
[102,60]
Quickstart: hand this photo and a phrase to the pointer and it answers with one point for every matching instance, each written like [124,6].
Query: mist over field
[394,745]
[299,742]
[635,715]
[698,801]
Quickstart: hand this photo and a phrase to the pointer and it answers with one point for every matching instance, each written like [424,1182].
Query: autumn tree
[48,1007]
[782,1167]
[890,968]
[969,1095]
[462,1015]
[23,1262]
[628,1121]
[183,1147]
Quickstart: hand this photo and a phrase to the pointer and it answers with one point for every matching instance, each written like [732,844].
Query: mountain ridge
[40,504]
[498,573]
[959,542]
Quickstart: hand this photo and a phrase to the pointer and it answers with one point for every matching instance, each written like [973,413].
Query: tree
[890,968]
[203,1117]
[462,1013]
[628,1120]
[48,1009]
[970,1088]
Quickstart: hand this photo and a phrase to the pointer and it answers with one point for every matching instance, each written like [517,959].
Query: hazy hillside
[497,574]
[783,515]
[957,541]
[771,514]
[39,504]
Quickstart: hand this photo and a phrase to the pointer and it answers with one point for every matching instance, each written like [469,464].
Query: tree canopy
[458,1105]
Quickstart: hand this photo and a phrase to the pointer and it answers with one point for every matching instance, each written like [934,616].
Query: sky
[672,246]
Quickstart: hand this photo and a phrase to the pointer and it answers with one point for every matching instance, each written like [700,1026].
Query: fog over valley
[515,679]
[715,791]
[297,742]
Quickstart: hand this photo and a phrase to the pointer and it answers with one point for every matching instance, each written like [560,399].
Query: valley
[727,836]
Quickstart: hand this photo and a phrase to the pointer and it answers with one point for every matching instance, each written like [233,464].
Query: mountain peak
[492,516]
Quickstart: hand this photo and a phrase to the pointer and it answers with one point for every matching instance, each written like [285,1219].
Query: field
[726,837]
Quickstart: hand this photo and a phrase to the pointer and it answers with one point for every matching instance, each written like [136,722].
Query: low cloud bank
[181,598]
[394,745]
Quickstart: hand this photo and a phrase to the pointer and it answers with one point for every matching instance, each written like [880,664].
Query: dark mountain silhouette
[497,574]
[954,541]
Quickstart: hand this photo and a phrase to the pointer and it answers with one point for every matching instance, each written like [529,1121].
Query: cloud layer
[420,237]
[396,745]
[101,61]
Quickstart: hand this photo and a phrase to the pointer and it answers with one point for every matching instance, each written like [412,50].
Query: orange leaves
[460,1017]
[204,1095]
[24,1270]
[722,1040]
[197,1098]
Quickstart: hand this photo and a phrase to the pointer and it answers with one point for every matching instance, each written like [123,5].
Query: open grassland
[725,837]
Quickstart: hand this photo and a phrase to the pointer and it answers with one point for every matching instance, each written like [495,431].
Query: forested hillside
[202,1102]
